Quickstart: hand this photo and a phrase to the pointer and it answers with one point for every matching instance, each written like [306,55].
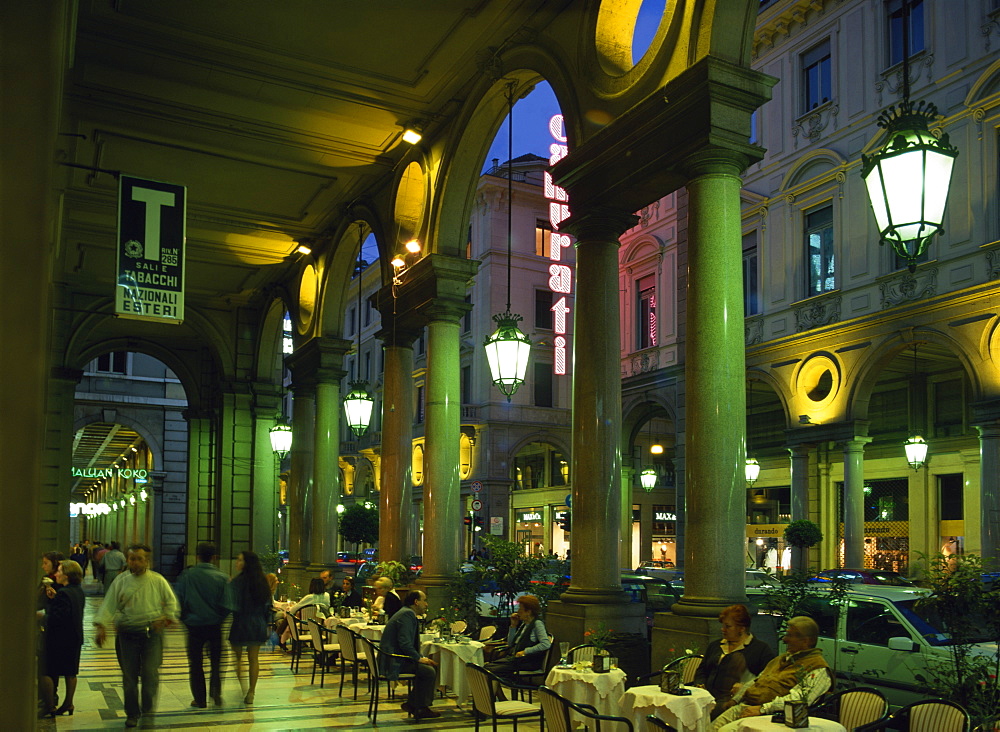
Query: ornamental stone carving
[753,330]
[905,287]
[817,313]
[641,363]
[809,126]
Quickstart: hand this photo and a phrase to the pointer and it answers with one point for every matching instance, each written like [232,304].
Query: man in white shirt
[141,604]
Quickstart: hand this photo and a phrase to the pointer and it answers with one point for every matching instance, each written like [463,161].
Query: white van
[878,639]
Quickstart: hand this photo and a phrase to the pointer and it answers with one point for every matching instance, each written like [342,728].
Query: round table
[689,713]
[764,724]
[451,658]
[600,690]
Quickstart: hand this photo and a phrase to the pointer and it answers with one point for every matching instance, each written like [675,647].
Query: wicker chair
[485,687]
[853,707]
[323,649]
[376,675]
[557,710]
[927,715]
[687,665]
[349,654]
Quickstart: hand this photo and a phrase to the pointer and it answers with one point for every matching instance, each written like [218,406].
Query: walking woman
[63,638]
[250,601]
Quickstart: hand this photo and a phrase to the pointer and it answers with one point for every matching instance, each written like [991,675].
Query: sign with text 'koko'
[151,233]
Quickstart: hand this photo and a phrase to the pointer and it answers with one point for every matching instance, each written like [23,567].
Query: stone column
[300,483]
[854,501]
[442,487]
[395,532]
[264,519]
[54,495]
[989,489]
[715,388]
[800,497]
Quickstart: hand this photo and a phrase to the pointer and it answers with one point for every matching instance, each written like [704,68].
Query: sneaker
[132,722]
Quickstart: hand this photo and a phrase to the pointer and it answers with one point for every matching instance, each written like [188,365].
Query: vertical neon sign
[560,275]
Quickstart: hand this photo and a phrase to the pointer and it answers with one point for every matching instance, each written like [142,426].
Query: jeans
[140,653]
[198,636]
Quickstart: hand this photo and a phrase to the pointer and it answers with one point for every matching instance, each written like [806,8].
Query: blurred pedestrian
[201,592]
[251,603]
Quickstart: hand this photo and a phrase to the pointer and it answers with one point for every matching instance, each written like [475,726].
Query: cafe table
[451,658]
[764,724]
[687,713]
[585,686]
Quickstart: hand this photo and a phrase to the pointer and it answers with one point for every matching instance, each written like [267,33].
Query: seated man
[352,598]
[800,674]
[402,638]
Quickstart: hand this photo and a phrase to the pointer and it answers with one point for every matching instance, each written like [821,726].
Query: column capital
[832,432]
[397,329]
[601,224]
[444,309]
[855,444]
[988,430]
[434,276]
[318,360]
[715,160]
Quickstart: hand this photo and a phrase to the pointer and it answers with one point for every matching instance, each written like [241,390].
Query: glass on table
[563,652]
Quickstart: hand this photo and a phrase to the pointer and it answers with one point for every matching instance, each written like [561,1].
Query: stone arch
[269,354]
[641,408]
[541,436]
[779,388]
[814,167]
[642,247]
[865,378]
[985,88]
[125,420]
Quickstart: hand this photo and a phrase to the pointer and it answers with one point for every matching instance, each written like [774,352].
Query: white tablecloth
[333,621]
[764,724]
[686,713]
[451,658]
[600,690]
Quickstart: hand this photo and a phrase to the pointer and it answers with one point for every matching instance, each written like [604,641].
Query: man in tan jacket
[799,674]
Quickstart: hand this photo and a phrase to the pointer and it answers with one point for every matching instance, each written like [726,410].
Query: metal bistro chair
[557,708]
[300,638]
[484,686]
[458,627]
[926,715]
[583,652]
[853,708]
[687,665]
[654,723]
[349,654]
[525,677]
[323,650]
[376,675]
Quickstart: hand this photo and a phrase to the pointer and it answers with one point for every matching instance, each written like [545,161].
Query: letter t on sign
[154,200]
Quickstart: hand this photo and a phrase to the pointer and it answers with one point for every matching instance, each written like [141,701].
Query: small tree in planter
[359,525]
[801,535]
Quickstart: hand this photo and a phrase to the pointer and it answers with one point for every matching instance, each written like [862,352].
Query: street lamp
[916,451]
[507,348]
[281,438]
[908,178]
[359,404]
[648,479]
[751,471]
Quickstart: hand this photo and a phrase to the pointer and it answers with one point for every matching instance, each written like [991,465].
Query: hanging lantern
[507,352]
[916,451]
[751,470]
[358,406]
[281,439]
[648,478]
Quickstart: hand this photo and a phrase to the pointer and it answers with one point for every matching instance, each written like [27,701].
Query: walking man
[141,604]
[201,592]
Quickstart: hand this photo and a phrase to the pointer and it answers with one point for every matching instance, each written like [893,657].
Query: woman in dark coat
[735,659]
[251,602]
[63,638]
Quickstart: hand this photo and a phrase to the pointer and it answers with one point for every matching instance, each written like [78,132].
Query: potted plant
[599,637]
[801,535]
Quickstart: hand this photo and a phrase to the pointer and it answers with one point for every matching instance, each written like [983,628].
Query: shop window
[894,27]
[543,309]
[645,321]
[951,489]
[816,77]
[542,384]
[751,287]
[820,265]
[887,512]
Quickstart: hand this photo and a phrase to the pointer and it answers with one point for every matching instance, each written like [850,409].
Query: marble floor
[284,701]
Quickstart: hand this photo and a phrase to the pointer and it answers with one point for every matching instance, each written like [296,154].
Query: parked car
[754,577]
[659,595]
[876,637]
[864,577]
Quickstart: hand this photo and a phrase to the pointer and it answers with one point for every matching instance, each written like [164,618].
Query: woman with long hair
[250,601]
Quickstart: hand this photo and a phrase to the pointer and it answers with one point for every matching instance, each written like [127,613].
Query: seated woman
[733,660]
[352,598]
[527,640]
[317,596]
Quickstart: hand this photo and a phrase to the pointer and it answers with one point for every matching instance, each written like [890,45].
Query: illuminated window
[751,286]
[645,312]
[816,83]
[820,264]
[542,230]
[894,11]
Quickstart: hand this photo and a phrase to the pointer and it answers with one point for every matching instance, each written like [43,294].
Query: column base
[438,597]
[568,620]
[296,573]
[674,634]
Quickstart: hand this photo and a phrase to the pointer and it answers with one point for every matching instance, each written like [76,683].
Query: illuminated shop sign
[531,516]
[560,275]
[137,474]
[664,516]
[88,509]
[558,516]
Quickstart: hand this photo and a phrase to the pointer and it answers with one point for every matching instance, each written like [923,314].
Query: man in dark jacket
[401,637]
[201,592]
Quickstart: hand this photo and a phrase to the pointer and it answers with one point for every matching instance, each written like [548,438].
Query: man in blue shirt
[201,591]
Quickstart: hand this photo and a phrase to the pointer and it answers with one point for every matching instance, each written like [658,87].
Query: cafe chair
[300,638]
[655,723]
[486,632]
[458,627]
[583,652]
[853,708]
[349,654]
[531,678]
[557,708]
[324,649]
[376,659]
[485,686]
[687,665]
[926,715]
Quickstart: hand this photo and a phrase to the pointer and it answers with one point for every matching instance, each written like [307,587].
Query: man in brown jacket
[799,674]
